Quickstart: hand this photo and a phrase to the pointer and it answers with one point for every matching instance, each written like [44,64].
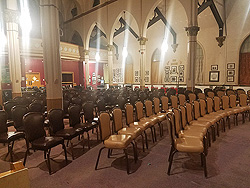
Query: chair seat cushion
[67,134]
[11,136]
[45,143]
[201,124]
[132,131]
[221,114]
[209,119]
[118,141]
[194,145]
[191,134]
[201,129]
[213,116]
[161,116]
[142,125]
[85,126]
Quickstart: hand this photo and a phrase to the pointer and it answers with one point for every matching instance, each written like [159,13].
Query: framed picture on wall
[173,69]
[231,66]
[173,78]
[214,67]
[230,72]
[230,79]
[181,79]
[214,76]
[181,68]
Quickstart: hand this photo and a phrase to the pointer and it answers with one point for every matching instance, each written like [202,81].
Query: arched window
[199,65]
[244,64]
[77,39]
[155,67]
[96,2]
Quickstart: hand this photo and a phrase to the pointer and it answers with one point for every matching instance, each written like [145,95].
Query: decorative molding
[110,47]
[220,40]
[11,16]
[192,31]
[174,46]
[142,40]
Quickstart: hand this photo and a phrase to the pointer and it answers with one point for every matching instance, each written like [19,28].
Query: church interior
[103,93]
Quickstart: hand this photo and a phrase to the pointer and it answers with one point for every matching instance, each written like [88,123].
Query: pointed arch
[77,39]
[244,63]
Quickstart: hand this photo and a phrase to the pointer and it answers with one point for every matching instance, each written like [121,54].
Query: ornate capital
[142,40]
[192,31]
[86,52]
[11,16]
[110,47]
[220,40]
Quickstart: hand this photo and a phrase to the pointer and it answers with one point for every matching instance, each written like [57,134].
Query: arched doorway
[155,67]
[244,65]
[199,65]
[129,70]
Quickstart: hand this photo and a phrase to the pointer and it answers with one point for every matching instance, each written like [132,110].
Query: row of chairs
[193,124]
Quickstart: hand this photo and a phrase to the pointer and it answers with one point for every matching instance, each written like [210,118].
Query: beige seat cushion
[132,131]
[209,119]
[221,114]
[161,116]
[213,116]
[201,129]
[142,125]
[118,141]
[194,145]
[191,134]
[201,124]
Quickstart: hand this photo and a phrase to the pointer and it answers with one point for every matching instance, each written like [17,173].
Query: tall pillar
[192,31]
[86,57]
[110,63]
[51,52]
[142,51]
[11,19]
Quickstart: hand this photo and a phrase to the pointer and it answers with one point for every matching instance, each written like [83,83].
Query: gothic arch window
[155,67]
[244,64]
[77,39]
[96,2]
[199,65]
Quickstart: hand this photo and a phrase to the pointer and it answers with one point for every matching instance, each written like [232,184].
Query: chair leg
[146,139]
[135,151]
[155,134]
[142,140]
[171,151]
[171,160]
[126,156]
[152,132]
[218,128]
[97,134]
[44,154]
[67,143]
[88,140]
[25,157]
[72,149]
[109,151]
[48,159]
[98,158]
[65,153]
[204,163]
[228,120]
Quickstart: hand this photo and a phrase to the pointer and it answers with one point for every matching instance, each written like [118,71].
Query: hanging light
[97,57]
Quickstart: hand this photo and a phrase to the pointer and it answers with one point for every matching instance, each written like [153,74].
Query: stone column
[110,63]
[142,41]
[51,52]
[12,19]
[86,58]
[192,31]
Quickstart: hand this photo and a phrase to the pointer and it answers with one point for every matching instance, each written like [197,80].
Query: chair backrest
[3,121]
[121,102]
[156,105]
[174,101]
[139,110]
[243,99]
[177,120]
[232,101]
[17,115]
[76,100]
[196,110]
[148,108]
[189,110]
[100,105]
[104,122]
[88,110]
[183,117]
[129,113]
[210,105]
[55,117]
[117,119]
[182,99]
[225,102]
[133,99]
[74,115]
[216,103]
[7,107]
[201,96]
[192,97]
[36,107]
[220,93]
[172,132]
[203,107]
[66,106]
[210,94]
[34,125]
[164,103]
[230,92]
